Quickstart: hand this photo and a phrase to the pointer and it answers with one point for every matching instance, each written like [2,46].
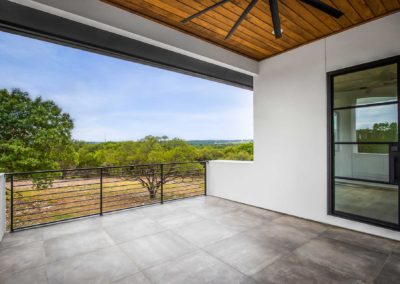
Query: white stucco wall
[289,173]
[2,206]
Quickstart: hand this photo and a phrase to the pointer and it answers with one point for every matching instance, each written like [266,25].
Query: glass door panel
[366,152]
[370,86]
[370,200]
[369,162]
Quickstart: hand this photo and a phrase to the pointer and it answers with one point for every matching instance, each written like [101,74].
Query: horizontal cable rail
[44,197]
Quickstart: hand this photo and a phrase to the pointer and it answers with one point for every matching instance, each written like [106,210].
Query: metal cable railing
[44,197]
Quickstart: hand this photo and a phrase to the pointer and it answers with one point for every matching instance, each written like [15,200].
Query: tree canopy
[154,150]
[34,133]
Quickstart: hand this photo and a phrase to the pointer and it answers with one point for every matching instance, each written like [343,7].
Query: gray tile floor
[198,240]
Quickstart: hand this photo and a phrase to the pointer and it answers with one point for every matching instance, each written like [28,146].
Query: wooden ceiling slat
[235,40]
[325,18]
[376,6]
[349,11]
[255,40]
[391,5]
[344,21]
[245,40]
[287,22]
[191,27]
[363,9]
[308,16]
[245,28]
[262,17]
[301,23]
[287,12]
[254,22]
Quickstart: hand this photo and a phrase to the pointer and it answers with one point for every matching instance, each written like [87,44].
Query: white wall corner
[371,41]
[2,205]
[289,174]
[112,19]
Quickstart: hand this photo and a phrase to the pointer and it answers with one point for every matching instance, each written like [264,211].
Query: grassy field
[78,197]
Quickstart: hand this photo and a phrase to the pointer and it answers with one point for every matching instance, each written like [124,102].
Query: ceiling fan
[273,5]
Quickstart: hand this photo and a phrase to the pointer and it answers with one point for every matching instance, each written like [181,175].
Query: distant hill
[216,142]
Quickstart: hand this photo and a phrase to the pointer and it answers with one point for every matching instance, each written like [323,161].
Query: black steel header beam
[30,22]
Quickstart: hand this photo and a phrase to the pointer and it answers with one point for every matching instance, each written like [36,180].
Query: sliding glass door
[364,143]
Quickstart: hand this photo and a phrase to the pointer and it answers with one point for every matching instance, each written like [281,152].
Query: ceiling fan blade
[241,18]
[204,10]
[324,8]
[273,5]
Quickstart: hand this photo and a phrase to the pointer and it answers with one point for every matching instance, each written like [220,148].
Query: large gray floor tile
[71,227]
[245,253]
[294,269]
[35,275]
[353,260]
[188,202]
[21,238]
[239,220]
[391,271]
[23,257]
[101,266]
[205,232]
[195,268]
[154,249]
[178,218]
[132,230]
[138,278]
[260,212]
[283,236]
[210,210]
[110,219]
[225,202]
[301,224]
[74,244]
[360,239]
[157,211]
[396,250]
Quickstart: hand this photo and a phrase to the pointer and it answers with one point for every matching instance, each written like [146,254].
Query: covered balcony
[318,204]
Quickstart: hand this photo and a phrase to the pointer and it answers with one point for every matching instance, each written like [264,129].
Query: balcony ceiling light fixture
[273,5]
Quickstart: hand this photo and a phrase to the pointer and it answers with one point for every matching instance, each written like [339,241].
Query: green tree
[151,150]
[35,134]
[208,153]
[243,152]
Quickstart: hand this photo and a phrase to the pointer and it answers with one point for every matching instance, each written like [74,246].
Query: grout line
[220,260]
[383,266]
[360,246]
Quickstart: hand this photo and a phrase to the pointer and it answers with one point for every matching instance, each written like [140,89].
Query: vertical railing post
[205,178]
[12,203]
[3,205]
[101,191]
[162,182]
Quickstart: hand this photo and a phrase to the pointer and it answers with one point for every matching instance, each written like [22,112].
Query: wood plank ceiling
[301,23]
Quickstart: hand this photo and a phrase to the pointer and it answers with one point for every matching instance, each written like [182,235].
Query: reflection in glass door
[364,137]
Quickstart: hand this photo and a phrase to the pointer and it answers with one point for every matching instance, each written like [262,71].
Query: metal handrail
[166,189]
[106,167]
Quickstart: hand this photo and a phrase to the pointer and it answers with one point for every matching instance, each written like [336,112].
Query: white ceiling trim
[106,17]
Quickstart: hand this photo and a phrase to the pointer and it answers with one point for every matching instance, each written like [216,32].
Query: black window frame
[331,143]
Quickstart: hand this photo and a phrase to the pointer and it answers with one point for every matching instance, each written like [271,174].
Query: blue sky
[115,100]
